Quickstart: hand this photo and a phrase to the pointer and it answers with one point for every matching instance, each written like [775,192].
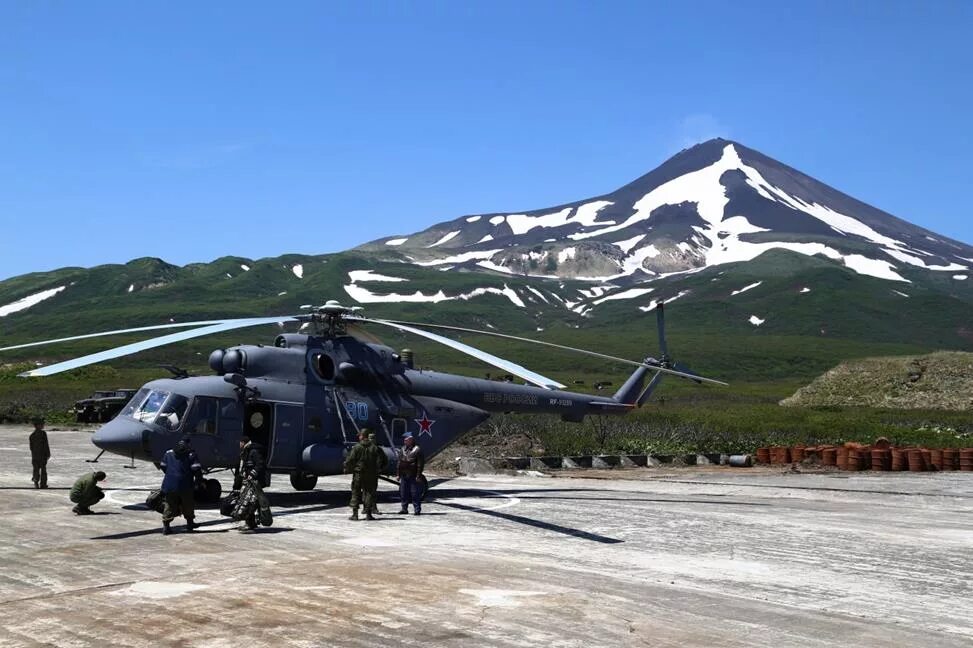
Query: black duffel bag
[228,503]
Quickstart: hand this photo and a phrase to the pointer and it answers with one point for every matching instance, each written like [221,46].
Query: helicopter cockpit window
[323,366]
[172,413]
[133,404]
[150,407]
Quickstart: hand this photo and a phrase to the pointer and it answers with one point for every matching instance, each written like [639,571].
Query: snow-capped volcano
[715,203]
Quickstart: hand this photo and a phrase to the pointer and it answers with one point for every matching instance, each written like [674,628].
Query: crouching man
[86,493]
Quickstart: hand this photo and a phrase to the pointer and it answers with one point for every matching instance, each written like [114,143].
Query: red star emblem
[425,424]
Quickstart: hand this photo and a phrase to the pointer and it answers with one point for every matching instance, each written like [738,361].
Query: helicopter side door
[288,436]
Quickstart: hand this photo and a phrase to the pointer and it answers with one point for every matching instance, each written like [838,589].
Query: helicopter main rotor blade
[595,354]
[500,363]
[128,349]
[137,329]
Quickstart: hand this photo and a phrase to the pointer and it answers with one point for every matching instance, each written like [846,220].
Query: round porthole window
[256,420]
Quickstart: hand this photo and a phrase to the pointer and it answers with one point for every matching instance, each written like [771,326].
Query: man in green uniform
[86,493]
[40,453]
[365,461]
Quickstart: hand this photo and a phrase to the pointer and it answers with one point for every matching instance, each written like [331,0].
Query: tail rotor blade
[644,396]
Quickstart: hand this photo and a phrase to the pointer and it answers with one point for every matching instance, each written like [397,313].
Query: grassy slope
[844,316]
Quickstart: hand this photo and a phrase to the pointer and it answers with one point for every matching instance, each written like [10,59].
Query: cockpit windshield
[129,410]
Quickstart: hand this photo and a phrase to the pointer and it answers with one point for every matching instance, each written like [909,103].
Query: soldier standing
[86,493]
[40,453]
[253,467]
[411,463]
[182,468]
[365,461]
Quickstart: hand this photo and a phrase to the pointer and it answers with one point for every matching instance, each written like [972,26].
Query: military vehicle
[307,395]
[102,406]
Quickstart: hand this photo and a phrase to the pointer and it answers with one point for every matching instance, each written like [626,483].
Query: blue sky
[250,129]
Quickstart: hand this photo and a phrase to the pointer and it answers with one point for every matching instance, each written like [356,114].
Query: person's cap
[186,439]
[100,476]
[244,439]
[407,435]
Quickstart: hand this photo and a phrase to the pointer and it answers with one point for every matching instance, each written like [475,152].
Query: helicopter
[306,397]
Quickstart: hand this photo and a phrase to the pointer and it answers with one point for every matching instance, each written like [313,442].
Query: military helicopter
[306,397]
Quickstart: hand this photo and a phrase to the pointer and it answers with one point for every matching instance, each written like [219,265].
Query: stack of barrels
[880,456]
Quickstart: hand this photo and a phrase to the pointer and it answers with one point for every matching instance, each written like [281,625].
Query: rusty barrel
[797,453]
[763,455]
[780,455]
[917,462]
[950,459]
[927,458]
[900,459]
[842,460]
[829,456]
[936,459]
[881,459]
[966,459]
[854,461]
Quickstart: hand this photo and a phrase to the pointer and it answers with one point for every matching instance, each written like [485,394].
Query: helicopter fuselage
[306,398]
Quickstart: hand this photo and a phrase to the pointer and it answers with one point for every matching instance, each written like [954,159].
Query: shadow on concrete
[31,488]
[539,524]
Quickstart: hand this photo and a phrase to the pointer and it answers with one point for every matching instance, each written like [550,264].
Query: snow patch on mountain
[627,245]
[445,239]
[873,267]
[538,293]
[756,321]
[651,307]
[369,275]
[28,301]
[131,287]
[586,215]
[631,293]
[745,288]
[805,289]
[245,267]
[298,271]
[566,253]
[364,296]
[488,237]
[960,277]
[900,293]
[398,241]
[472,219]
[460,258]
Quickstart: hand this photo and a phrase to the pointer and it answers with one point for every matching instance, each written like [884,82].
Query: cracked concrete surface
[691,557]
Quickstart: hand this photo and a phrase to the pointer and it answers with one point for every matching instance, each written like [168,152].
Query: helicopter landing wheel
[212,489]
[302,481]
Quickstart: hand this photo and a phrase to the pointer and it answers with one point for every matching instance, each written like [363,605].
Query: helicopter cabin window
[398,428]
[323,366]
[204,415]
[150,407]
[129,410]
[172,413]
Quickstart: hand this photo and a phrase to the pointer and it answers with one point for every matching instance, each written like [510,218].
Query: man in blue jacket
[182,468]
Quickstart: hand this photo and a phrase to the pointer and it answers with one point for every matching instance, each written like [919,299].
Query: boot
[354,514]
[368,516]
[191,526]
[165,528]
[417,512]
[36,485]
[404,510]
